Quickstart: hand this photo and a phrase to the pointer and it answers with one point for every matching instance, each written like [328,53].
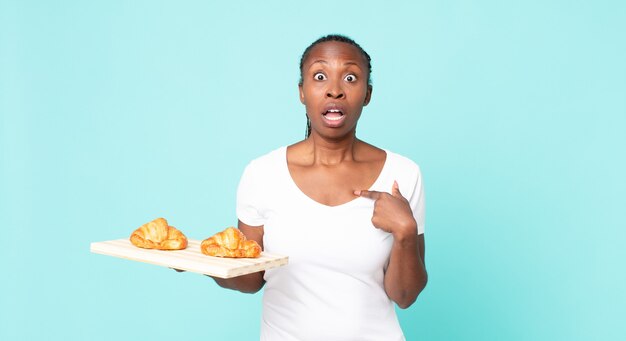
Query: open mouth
[333,114]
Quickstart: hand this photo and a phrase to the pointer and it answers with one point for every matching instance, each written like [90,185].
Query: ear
[301,93]
[368,95]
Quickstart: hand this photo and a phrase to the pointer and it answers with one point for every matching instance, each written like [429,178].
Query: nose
[335,91]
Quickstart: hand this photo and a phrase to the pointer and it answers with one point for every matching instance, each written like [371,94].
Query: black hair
[342,39]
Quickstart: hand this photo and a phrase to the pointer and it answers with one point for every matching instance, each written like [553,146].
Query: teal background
[113,113]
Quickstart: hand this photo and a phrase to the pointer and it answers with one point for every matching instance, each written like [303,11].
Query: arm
[249,283]
[406,274]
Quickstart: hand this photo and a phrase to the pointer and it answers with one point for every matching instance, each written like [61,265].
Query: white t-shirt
[332,288]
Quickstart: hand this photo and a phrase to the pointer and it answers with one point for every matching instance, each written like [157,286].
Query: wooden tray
[190,259]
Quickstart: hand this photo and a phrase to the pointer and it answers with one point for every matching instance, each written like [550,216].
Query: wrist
[406,232]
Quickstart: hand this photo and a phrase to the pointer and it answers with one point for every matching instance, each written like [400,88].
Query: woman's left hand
[405,277]
[392,212]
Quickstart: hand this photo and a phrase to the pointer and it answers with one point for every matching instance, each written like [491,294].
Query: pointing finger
[395,189]
[368,194]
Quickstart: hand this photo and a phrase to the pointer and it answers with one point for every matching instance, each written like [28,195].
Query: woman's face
[334,88]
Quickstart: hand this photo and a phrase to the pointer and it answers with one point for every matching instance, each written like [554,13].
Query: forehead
[335,50]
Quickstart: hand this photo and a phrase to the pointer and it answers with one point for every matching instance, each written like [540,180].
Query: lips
[333,114]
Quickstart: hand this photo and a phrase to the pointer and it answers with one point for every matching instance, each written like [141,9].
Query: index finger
[369,194]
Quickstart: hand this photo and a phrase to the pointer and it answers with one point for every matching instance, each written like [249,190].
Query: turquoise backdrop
[113,113]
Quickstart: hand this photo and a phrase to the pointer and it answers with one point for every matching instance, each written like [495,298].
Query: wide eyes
[319,76]
[350,78]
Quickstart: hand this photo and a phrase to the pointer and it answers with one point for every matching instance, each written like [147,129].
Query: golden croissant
[157,234]
[230,243]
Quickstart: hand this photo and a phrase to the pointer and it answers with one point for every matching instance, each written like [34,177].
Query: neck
[329,152]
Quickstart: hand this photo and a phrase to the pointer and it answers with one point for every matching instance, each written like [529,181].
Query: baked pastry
[230,243]
[157,234]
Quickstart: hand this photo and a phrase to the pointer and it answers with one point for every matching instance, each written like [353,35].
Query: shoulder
[269,161]
[405,171]
[402,162]
[365,152]
[265,166]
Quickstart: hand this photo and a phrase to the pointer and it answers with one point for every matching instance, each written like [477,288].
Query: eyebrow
[325,62]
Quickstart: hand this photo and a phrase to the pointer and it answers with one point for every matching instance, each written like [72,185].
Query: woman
[349,215]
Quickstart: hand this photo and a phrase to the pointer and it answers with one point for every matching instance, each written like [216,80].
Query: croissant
[157,234]
[230,243]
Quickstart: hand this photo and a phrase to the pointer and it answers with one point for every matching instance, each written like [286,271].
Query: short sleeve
[249,210]
[417,203]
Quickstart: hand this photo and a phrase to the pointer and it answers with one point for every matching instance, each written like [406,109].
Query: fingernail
[357,192]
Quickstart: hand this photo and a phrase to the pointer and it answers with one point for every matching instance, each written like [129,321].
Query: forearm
[249,284]
[253,282]
[406,274]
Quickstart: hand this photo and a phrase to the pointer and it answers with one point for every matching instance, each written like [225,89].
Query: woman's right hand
[249,283]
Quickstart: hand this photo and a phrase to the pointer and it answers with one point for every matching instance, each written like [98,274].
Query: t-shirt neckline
[319,204]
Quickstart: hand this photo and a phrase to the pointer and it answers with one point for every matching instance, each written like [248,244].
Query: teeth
[334,118]
[334,110]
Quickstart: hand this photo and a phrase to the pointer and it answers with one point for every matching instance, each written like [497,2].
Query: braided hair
[342,39]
